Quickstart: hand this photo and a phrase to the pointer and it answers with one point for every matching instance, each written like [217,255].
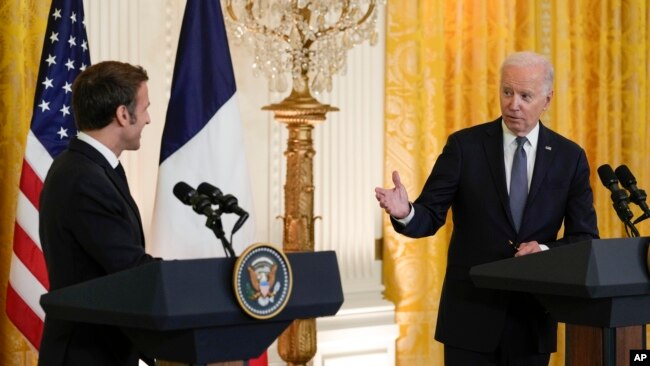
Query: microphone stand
[619,202]
[631,230]
[214,223]
[641,218]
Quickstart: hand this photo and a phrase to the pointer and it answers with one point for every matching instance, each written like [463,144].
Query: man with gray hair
[511,184]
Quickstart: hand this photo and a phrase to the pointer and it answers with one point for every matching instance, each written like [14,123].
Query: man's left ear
[549,96]
[122,115]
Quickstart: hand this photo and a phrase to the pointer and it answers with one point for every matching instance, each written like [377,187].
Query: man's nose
[514,102]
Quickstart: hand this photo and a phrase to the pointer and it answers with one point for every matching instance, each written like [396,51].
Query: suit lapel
[122,186]
[546,150]
[96,156]
[493,146]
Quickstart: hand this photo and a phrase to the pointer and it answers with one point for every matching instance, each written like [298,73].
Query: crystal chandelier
[305,41]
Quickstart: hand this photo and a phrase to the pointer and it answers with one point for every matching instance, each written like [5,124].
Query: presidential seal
[262,281]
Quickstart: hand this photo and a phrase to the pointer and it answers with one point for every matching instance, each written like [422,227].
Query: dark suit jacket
[89,227]
[469,176]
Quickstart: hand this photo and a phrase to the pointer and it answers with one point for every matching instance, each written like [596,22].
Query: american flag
[65,54]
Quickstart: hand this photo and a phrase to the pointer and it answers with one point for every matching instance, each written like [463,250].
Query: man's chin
[515,125]
[513,122]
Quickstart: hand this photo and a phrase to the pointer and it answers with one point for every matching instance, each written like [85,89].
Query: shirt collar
[105,151]
[509,136]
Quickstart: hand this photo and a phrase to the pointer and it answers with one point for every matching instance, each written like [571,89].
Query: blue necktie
[518,183]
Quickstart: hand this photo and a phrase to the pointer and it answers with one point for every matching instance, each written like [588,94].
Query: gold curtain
[442,74]
[22,29]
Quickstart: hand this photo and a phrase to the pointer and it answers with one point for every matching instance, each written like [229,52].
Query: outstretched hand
[394,200]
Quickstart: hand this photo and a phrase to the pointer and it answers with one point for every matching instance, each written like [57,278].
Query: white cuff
[405,221]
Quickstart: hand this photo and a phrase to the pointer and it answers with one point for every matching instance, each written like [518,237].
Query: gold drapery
[22,29]
[442,73]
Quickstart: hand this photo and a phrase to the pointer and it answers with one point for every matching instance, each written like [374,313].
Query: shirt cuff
[543,247]
[405,221]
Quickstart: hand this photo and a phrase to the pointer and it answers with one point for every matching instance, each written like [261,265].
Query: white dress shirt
[509,147]
[105,151]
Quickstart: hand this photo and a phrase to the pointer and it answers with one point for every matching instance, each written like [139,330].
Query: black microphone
[210,191]
[230,205]
[638,196]
[619,197]
[200,203]
[227,203]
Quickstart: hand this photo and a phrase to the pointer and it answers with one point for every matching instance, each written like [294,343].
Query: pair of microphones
[620,198]
[205,197]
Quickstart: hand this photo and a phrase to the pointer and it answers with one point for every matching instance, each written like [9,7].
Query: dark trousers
[517,346]
[462,357]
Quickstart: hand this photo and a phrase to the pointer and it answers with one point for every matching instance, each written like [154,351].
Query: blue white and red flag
[202,140]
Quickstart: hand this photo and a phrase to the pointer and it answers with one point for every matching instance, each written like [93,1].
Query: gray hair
[527,58]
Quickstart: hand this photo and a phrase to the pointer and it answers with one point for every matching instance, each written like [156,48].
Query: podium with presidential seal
[202,311]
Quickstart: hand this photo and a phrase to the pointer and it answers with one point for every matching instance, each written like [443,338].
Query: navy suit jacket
[469,176]
[89,227]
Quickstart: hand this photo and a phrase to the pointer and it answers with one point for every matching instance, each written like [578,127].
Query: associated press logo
[639,357]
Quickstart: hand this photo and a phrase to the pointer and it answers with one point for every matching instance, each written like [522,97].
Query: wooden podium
[600,288]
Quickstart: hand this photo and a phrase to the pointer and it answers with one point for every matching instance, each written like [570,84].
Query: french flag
[202,140]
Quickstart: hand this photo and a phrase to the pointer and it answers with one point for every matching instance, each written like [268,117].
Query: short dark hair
[101,88]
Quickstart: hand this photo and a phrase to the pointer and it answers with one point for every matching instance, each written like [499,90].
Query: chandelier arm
[371,9]
[257,28]
[337,28]
[231,12]
[306,14]
[261,28]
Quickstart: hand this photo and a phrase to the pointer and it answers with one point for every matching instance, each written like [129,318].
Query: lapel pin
[548,148]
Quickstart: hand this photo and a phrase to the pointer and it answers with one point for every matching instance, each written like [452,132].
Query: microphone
[200,203]
[227,203]
[210,191]
[619,197]
[638,196]
[230,205]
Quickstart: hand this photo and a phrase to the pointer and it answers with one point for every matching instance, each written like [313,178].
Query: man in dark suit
[89,224]
[511,184]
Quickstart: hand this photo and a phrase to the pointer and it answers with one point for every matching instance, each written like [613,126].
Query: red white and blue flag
[202,140]
[65,54]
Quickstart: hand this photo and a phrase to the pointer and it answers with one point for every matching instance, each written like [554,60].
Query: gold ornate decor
[304,41]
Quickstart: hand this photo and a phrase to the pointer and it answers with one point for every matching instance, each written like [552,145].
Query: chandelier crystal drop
[301,43]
